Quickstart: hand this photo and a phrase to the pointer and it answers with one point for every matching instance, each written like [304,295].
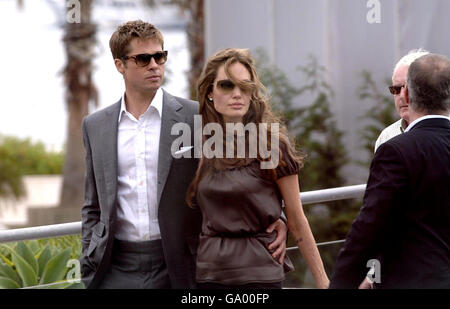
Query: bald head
[428,83]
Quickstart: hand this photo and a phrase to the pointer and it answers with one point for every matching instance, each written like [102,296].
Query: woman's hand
[279,244]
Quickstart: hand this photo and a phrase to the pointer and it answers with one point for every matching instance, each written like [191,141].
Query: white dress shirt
[389,132]
[137,151]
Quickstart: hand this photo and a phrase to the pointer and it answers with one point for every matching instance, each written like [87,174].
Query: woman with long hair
[240,190]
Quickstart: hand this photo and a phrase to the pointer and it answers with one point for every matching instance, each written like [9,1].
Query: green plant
[379,115]
[38,262]
[313,126]
[20,157]
[280,90]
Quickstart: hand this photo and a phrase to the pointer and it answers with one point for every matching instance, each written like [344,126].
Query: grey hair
[409,58]
[428,83]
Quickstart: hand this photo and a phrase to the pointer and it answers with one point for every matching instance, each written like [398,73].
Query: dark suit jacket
[179,225]
[405,218]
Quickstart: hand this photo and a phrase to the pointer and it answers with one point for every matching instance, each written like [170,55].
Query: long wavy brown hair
[259,112]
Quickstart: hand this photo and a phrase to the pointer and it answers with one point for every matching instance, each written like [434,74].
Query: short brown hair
[124,33]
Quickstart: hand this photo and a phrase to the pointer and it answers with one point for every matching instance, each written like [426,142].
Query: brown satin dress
[237,205]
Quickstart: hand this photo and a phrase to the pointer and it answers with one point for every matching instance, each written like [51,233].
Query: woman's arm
[299,227]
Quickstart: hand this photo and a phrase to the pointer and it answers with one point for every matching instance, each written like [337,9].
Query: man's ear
[120,66]
[406,95]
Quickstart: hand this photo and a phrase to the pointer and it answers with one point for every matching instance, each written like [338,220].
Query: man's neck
[404,124]
[413,115]
[138,102]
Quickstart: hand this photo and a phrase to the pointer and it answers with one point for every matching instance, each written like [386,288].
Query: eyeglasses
[396,89]
[227,85]
[143,60]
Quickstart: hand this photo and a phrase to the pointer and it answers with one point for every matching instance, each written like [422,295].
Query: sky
[33,58]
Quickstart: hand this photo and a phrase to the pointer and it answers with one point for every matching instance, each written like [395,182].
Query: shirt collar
[403,125]
[157,103]
[412,124]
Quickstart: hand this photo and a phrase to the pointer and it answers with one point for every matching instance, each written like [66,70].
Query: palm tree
[196,37]
[79,41]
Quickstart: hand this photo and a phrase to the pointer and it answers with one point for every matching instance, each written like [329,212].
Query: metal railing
[55,230]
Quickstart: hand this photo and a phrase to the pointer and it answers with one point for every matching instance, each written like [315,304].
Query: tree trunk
[196,43]
[196,40]
[79,40]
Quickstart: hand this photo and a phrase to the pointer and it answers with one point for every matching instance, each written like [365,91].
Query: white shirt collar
[412,124]
[157,103]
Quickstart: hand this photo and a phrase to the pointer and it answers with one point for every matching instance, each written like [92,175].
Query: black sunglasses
[396,89]
[143,60]
[227,85]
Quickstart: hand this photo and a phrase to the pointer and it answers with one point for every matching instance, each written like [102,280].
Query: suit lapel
[109,155]
[171,114]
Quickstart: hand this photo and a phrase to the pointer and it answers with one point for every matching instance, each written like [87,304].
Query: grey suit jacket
[179,224]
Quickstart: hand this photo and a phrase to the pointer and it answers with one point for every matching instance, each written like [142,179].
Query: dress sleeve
[288,166]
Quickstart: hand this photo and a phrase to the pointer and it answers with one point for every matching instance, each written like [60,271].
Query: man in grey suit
[137,231]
